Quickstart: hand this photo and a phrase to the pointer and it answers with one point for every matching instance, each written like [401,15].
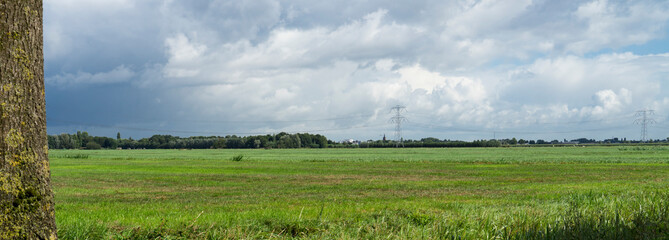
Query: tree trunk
[26,199]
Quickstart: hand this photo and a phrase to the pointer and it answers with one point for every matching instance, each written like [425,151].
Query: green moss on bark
[26,198]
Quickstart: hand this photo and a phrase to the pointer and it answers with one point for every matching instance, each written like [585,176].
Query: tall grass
[642,215]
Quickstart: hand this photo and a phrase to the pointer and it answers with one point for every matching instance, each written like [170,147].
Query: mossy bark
[26,198]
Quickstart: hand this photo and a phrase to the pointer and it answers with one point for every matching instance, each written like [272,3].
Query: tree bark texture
[26,198]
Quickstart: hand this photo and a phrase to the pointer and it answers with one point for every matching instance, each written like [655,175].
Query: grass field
[507,193]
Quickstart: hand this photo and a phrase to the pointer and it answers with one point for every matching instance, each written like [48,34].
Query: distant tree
[234,142]
[109,142]
[219,143]
[305,139]
[322,141]
[297,140]
[26,198]
[513,141]
[82,139]
[118,136]
[491,143]
[429,140]
[289,141]
[93,145]
[54,142]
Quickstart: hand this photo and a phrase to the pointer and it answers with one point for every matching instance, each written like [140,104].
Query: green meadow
[419,193]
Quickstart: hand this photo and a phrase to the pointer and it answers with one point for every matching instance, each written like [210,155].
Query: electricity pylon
[398,119]
[644,119]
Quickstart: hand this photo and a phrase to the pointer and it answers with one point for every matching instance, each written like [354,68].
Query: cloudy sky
[464,69]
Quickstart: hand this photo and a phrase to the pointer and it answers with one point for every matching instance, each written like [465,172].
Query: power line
[398,119]
[343,117]
[537,122]
[457,129]
[584,121]
[644,119]
[201,132]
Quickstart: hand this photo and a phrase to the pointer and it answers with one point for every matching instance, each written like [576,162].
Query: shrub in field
[237,158]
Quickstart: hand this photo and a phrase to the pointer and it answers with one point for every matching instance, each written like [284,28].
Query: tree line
[82,140]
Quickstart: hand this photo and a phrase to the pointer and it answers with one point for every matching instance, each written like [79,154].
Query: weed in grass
[237,158]
[72,156]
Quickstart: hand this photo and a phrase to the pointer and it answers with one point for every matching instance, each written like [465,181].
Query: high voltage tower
[643,118]
[398,119]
